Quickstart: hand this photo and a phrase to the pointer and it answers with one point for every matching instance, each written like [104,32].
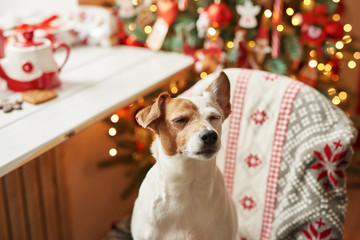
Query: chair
[285,150]
[284,154]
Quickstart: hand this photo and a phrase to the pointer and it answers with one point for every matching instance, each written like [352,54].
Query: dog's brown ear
[147,117]
[220,89]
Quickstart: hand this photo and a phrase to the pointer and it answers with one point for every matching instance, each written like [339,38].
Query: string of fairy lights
[324,68]
[348,59]
[112,132]
[296,20]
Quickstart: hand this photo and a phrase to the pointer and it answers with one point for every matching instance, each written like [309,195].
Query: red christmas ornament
[313,35]
[122,37]
[219,14]
[168,10]
[131,41]
[125,113]
[340,9]
[189,50]
[139,145]
[335,65]
[335,30]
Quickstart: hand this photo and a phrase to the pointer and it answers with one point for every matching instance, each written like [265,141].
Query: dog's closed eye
[213,118]
[180,120]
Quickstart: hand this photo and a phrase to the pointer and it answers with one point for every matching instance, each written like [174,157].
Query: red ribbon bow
[316,16]
[44,25]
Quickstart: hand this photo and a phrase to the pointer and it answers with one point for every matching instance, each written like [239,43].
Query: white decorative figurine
[126,8]
[203,22]
[248,13]
[262,47]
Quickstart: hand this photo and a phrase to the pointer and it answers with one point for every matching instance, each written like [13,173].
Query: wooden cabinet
[34,200]
[63,194]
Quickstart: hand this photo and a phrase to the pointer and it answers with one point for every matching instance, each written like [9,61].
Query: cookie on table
[38,96]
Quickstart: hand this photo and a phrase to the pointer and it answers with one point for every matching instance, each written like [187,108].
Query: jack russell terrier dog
[183,196]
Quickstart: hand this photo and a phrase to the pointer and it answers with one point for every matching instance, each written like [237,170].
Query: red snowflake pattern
[259,117]
[271,76]
[317,234]
[330,165]
[247,202]
[253,161]
[320,223]
[337,144]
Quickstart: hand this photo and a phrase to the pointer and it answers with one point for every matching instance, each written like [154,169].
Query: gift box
[88,25]
[54,27]
[95,26]
[48,18]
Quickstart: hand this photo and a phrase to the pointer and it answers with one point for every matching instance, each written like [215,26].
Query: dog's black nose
[209,137]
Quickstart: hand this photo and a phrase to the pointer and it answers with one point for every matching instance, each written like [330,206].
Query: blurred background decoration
[313,41]
[308,40]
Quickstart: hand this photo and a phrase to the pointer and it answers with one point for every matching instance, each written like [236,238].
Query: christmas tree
[307,40]
[304,39]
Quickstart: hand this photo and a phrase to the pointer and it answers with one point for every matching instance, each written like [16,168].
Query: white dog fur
[183,196]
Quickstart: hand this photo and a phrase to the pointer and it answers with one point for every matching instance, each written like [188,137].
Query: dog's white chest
[186,214]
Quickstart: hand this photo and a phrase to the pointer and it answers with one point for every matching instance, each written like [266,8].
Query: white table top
[95,83]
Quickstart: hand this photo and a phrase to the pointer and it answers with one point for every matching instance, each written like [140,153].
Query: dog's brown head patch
[174,120]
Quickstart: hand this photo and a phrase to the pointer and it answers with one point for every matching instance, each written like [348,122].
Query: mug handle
[59,45]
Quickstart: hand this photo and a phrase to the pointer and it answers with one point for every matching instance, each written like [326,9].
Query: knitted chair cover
[285,149]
